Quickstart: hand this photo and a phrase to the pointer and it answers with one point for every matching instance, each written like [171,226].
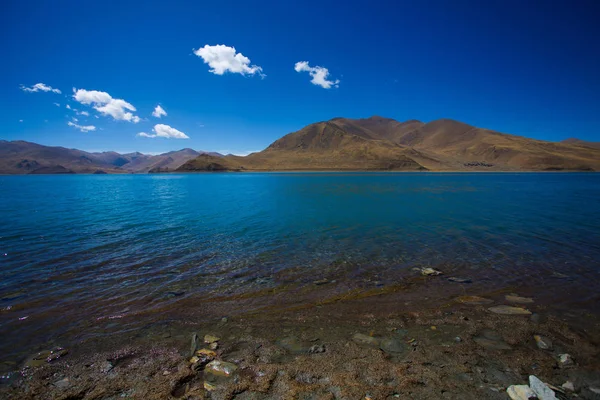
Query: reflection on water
[79,252]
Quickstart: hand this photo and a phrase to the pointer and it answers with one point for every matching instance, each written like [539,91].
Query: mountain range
[20,157]
[385,144]
[375,143]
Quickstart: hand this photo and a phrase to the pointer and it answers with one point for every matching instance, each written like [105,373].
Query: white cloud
[221,59]
[159,112]
[86,128]
[105,104]
[40,87]
[20,120]
[68,107]
[85,113]
[75,119]
[165,131]
[57,104]
[319,74]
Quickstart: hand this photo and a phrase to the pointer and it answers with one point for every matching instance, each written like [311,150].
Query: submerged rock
[317,348]
[543,342]
[459,280]
[430,272]
[565,360]
[392,346]
[211,338]
[542,391]
[473,300]
[491,344]
[361,338]
[520,392]
[509,310]
[293,345]
[45,356]
[220,368]
[512,298]
[194,344]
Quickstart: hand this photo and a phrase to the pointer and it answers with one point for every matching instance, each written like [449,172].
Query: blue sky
[530,68]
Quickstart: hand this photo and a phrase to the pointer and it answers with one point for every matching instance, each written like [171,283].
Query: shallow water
[91,255]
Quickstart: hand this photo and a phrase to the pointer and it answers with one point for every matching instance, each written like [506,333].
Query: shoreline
[377,347]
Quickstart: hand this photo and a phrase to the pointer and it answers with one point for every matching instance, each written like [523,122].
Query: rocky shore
[473,347]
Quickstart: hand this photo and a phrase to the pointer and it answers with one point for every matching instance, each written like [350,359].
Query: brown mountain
[579,142]
[20,157]
[378,143]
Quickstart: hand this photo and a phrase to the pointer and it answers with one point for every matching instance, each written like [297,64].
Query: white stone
[568,385]
[542,391]
[520,392]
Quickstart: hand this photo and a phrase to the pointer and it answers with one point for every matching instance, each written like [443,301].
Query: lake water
[86,256]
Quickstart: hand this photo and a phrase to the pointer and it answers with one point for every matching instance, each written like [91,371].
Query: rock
[568,385]
[211,339]
[543,342]
[106,367]
[520,392]
[509,310]
[213,345]
[63,383]
[194,344]
[194,360]
[565,360]
[209,387]
[542,391]
[392,346]
[220,368]
[459,280]
[473,300]
[317,348]
[491,344]
[321,282]
[517,299]
[594,390]
[430,272]
[365,339]
[293,345]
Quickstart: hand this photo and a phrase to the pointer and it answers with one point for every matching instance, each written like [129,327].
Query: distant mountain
[20,157]
[579,142]
[379,143]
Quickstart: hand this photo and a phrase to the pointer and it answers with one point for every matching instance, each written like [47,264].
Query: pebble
[213,345]
[520,392]
[211,338]
[565,360]
[491,343]
[430,272]
[317,348]
[220,368]
[509,310]
[512,298]
[106,367]
[542,391]
[321,282]
[473,300]
[568,385]
[543,342]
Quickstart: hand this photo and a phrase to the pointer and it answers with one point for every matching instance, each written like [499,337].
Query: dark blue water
[75,250]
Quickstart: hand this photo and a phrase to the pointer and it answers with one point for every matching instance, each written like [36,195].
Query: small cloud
[86,128]
[57,104]
[20,120]
[244,153]
[319,75]
[85,113]
[159,112]
[75,119]
[68,107]
[95,116]
[164,131]
[221,59]
[40,87]
[105,104]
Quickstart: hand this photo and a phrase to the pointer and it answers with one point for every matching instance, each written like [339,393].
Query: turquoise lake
[80,253]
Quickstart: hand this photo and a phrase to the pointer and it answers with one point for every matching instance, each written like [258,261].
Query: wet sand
[411,341]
